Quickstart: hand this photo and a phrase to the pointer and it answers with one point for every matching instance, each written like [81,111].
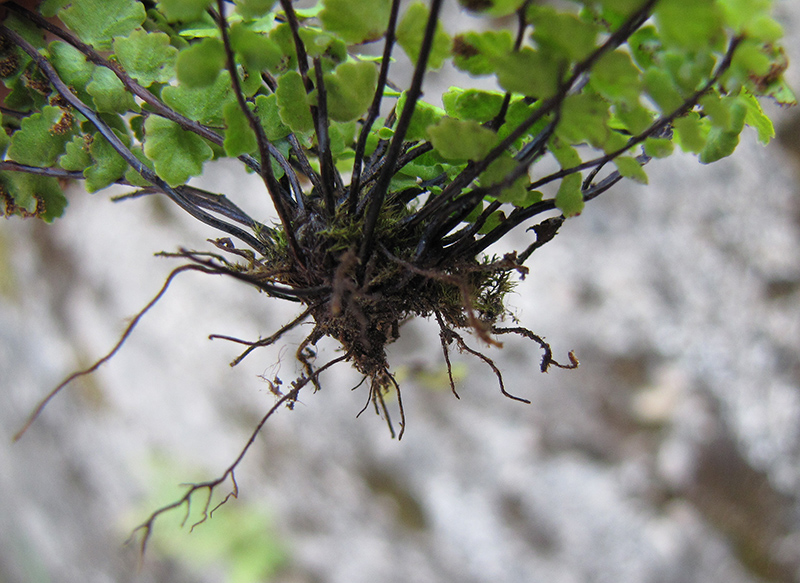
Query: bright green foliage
[107,165]
[356,21]
[36,143]
[425,115]
[76,155]
[293,105]
[200,64]
[528,72]
[177,154]
[629,167]
[239,136]
[564,36]
[569,198]
[257,51]
[251,9]
[32,192]
[204,104]
[268,113]
[109,94]
[461,140]
[410,32]
[147,57]
[97,22]
[476,52]
[183,10]
[350,90]
[493,7]
[616,78]
[646,96]
[474,104]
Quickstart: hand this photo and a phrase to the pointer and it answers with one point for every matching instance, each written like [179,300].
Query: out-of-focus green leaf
[97,22]
[529,72]
[475,52]
[516,194]
[562,34]
[662,90]
[658,147]
[691,132]
[258,52]
[584,118]
[616,78]
[356,21]
[148,57]
[239,136]
[350,89]
[690,24]
[411,30]
[756,117]
[425,115]
[200,64]
[629,167]
[177,154]
[569,199]
[252,9]
[461,140]
[183,10]
[474,104]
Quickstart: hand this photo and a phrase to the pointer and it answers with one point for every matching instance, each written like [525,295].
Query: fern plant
[385,204]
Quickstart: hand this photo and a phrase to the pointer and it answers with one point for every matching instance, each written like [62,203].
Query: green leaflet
[350,89]
[516,194]
[411,30]
[569,198]
[239,136]
[461,140]
[691,132]
[97,22]
[565,36]
[267,110]
[616,78]
[689,24]
[109,94]
[356,21]
[529,72]
[76,155]
[584,118]
[293,105]
[183,10]
[200,64]
[108,166]
[39,195]
[204,104]
[148,57]
[251,9]
[756,117]
[72,67]
[177,154]
[475,52]
[658,147]
[629,167]
[474,104]
[257,51]
[662,90]
[40,139]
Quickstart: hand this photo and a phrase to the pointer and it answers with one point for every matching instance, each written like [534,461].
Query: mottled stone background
[672,455]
